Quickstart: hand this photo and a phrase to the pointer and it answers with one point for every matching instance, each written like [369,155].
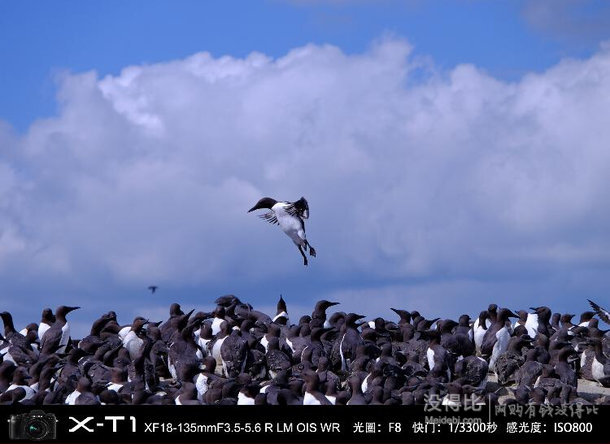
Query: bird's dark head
[324,304]
[64,310]
[505,313]
[352,318]
[265,202]
[586,316]
[47,315]
[175,310]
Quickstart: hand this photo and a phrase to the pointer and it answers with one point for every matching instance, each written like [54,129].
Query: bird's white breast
[114,386]
[243,399]
[132,343]
[479,333]
[202,385]
[430,356]
[289,224]
[216,325]
[42,329]
[29,391]
[531,324]
[264,342]
[123,332]
[310,399]
[502,339]
[71,398]
[597,369]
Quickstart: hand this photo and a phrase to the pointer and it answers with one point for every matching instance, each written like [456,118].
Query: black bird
[234,352]
[276,360]
[512,359]
[290,216]
[313,395]
[183,361]
[405,316]
[10,334]
[350,340]
[528,373]
[563,368]
[495,340]
[585,317]
[439,360]
[57,337]
[46,321]
[153,288]
[318,316]
[472,370]
[281,315]
[86,396]
[601,364]
[357,397]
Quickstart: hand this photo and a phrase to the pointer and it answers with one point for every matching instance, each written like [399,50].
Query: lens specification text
[242,427]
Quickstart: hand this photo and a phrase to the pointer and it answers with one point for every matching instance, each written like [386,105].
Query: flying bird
[153,288]
[603,314]
[290,216]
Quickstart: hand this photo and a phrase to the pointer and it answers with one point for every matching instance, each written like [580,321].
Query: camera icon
[35,426]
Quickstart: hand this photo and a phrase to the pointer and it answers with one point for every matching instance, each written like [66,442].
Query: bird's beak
[255,207]
[72,308]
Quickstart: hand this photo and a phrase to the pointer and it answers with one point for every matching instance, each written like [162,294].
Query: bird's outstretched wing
[604,315]
[270,217]
[300,208]
[292,210]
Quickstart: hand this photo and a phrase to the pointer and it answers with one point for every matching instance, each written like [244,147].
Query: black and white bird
[57,337]
[290,216]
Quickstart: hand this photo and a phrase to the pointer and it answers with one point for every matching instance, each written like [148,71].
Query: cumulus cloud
[450,175]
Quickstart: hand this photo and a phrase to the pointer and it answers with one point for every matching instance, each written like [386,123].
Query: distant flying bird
[153,288]
[290,216]
[603,314]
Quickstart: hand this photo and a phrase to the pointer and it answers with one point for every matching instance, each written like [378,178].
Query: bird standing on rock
[290,216]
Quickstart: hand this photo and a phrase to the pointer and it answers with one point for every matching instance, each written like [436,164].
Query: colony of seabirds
[238,355]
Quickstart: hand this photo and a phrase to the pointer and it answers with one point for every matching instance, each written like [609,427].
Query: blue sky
[453,153]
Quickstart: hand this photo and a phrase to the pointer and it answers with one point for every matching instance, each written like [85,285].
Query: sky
[454,154]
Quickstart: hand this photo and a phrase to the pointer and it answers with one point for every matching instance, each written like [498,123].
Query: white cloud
[147,176]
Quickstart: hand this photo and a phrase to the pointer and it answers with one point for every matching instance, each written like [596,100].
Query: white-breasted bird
[290,216]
